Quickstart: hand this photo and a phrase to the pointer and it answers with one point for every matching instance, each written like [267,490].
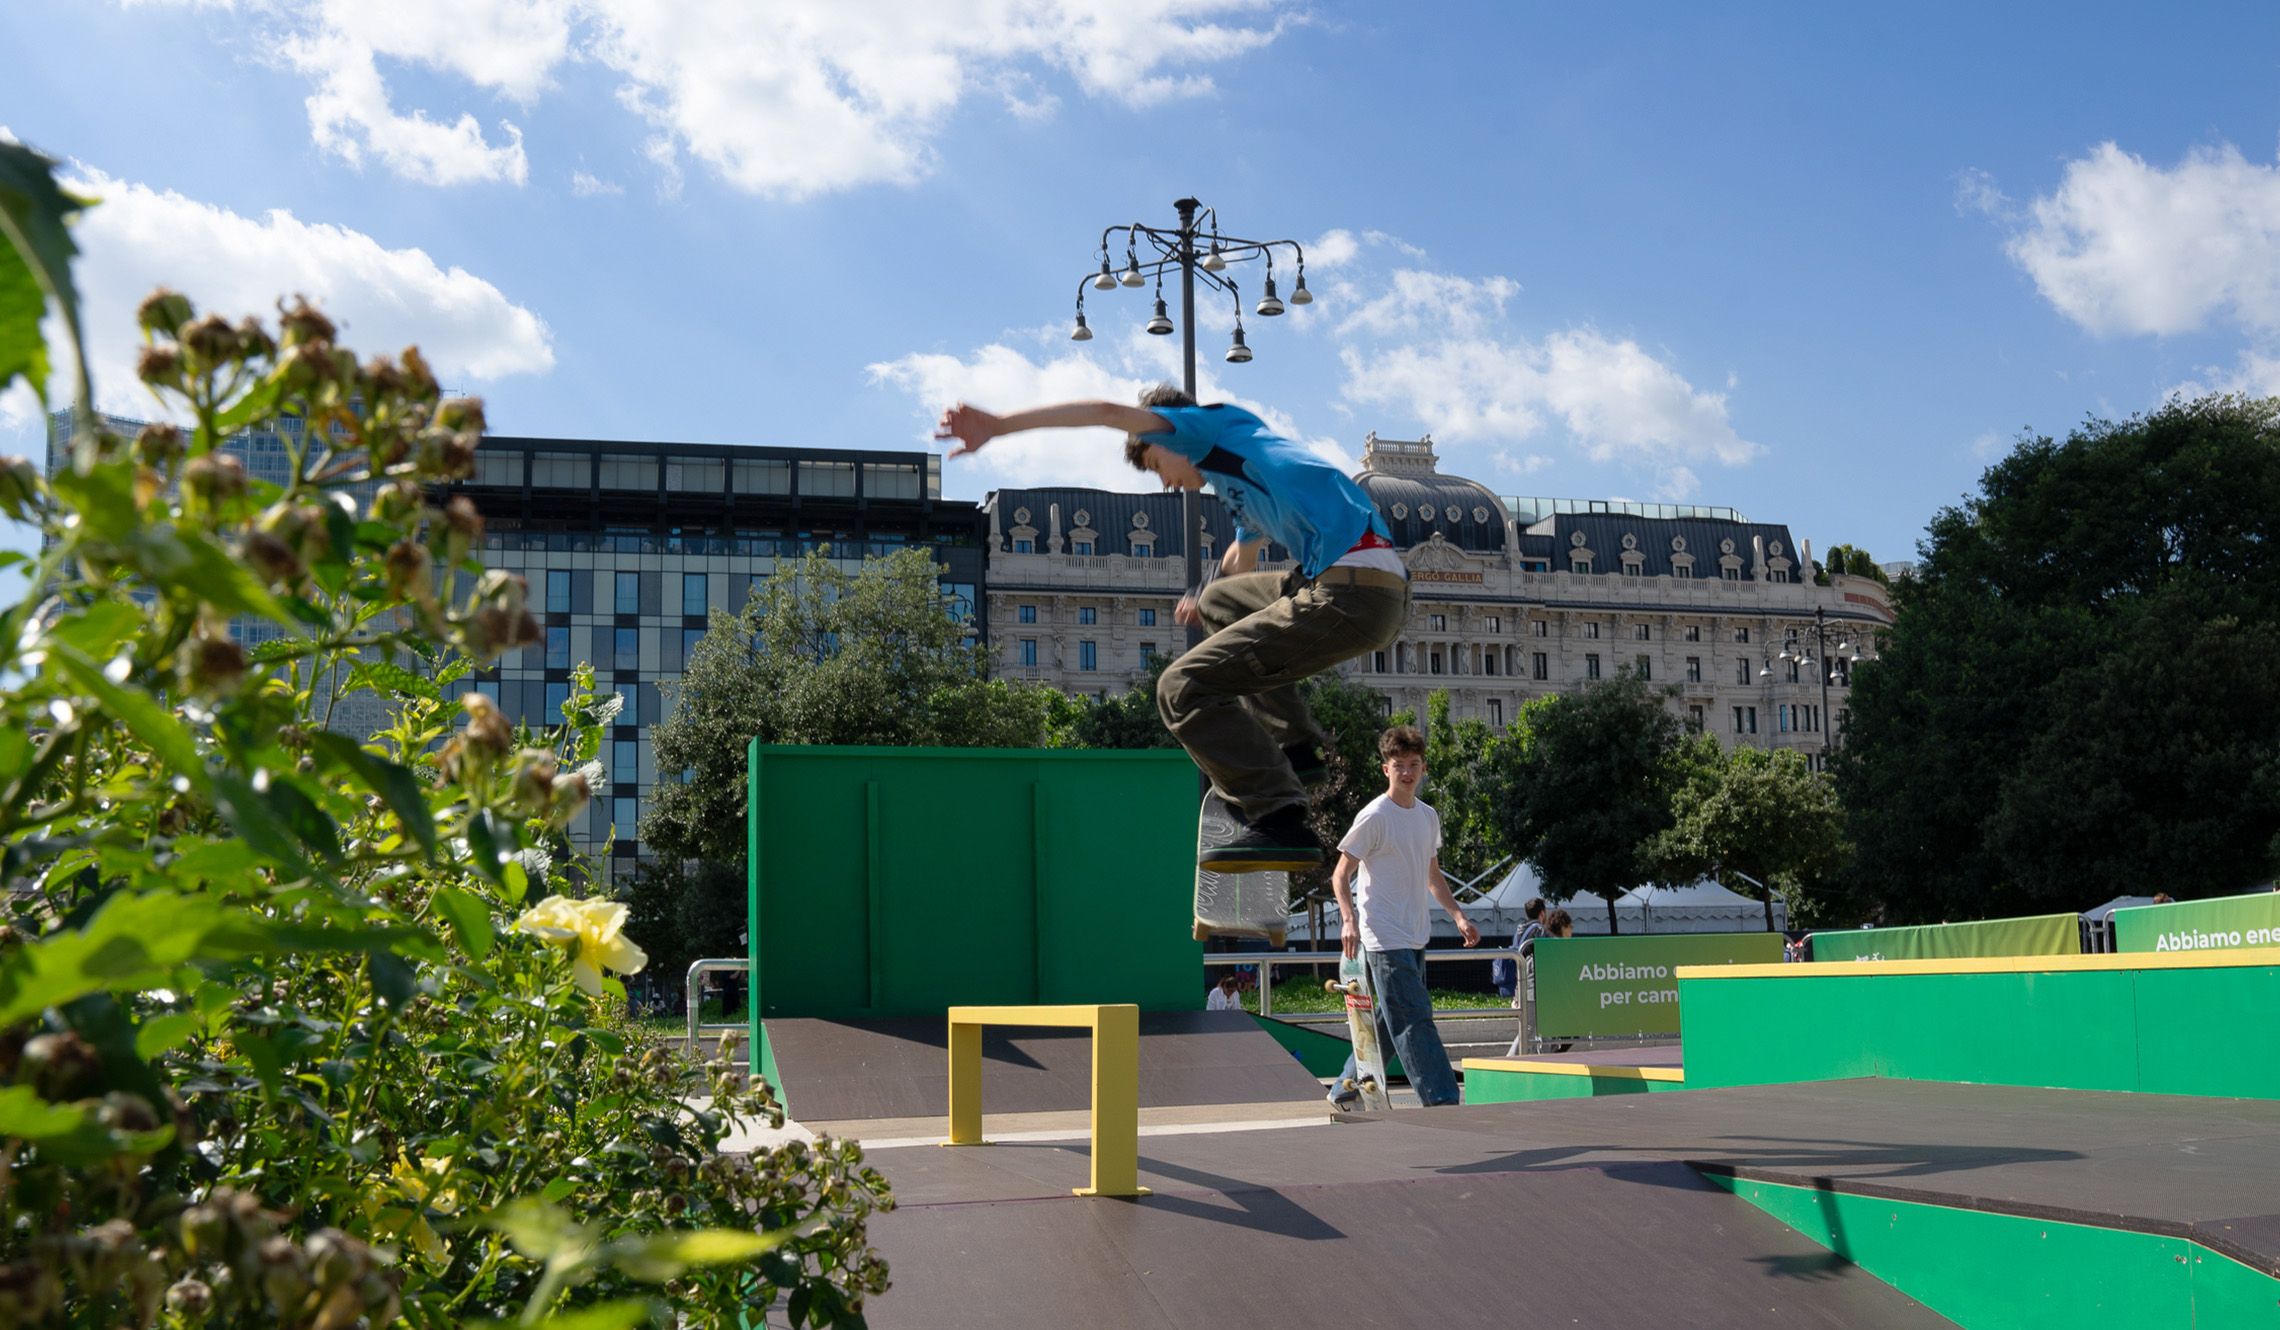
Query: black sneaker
[1280,841]
[1308,763]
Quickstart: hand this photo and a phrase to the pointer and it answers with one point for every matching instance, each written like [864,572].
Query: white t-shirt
[1392,894]
[1222,1000]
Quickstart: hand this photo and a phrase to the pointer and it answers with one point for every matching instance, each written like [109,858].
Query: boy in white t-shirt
[1388,875]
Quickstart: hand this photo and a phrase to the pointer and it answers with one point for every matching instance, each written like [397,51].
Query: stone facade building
[1514,598]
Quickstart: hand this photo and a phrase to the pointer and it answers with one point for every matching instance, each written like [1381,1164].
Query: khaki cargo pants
[1232,699]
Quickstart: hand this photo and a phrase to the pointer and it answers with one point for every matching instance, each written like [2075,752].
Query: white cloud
[1618,403]
[587,185]
[1988,444]
[2254,374]
[2125,246]
[1001,378]
[1439,304]
[1336,247]
[138,238]
[1511,463]
[1976,192]
[781,100]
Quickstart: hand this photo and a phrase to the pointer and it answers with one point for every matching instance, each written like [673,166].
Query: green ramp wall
[2159,1024]
[903,881]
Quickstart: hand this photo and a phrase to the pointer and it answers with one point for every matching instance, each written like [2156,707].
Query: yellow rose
[595,931]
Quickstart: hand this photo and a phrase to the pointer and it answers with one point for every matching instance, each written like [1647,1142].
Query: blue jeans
[1405,1025]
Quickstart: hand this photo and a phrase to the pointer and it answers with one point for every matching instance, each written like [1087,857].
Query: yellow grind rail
[1115,1083]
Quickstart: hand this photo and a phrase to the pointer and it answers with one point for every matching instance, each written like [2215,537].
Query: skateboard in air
[1235,904]
[1368,1085]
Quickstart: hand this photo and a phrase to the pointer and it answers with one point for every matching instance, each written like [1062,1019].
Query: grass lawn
[1298,997]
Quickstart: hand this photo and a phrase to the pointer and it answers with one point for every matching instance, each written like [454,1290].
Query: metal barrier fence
[698,969]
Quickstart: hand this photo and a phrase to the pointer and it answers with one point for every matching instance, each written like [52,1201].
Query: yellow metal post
[965,1082]
[1115,1103]
[1115,1084]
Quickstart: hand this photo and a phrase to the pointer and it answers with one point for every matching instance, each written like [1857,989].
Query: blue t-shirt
[1271,486]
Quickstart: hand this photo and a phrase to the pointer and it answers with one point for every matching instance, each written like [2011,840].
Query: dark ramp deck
[898,1068]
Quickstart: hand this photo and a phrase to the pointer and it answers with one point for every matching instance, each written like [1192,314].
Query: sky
[1820,264]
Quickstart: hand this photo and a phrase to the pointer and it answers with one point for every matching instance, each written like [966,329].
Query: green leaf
[299,813]
[98,630]
[663,1256]
[34,211]
[70,1133]
[391,978]
[395,784]
[490,838]
[617,1315]
[163,1034]
[539,1231]
[214,861]
[249,814]
[469,918]
[104,498]
[144,718]
[382,677]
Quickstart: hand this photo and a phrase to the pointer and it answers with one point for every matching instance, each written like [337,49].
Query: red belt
[1370,540]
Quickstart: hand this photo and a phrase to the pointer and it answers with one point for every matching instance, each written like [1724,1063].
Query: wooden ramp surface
[854,1070]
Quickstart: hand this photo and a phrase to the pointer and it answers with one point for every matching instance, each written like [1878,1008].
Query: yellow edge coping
[1073,1014]
[1575,1069]
[2128,960]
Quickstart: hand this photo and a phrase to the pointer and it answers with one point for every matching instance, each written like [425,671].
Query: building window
[1438,623]
[1741,634]
[1793,671]
[1080,547]
[1579,565]
[1694,717]
[1634,570]
[499,467]
[625,817]
[1542,664]
[1646,668]
[629,473]
[959,597]
[1694,669]
[628,642]
[1148,652]
[827,480]
[1682,570]
[1496,712]
[689,639]
[625,763]
[558,648]
[890,480]
[1539,628]
[1433,665]
[560,471]
[1494,623]
[1694,632]
[1737,720]
[763,477]
[1147,618]
[1643,632]
[1591,666]
[1488,663]
[628,593]
[1088,656]
[1731,574]
[693,595]
[694,477]
[1742,671]
[1029,652]
[557,591]
[1025,547]
[1591,630]
[1778,575]
[1377,662]
[1086,614]
[1025,614]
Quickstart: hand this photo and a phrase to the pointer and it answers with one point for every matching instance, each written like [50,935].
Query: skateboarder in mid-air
[1388,875]
[1232,700]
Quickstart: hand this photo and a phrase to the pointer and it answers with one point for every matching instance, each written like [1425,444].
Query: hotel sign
[1443,575]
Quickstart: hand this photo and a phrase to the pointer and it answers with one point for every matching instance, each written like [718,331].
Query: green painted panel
[901,881]
[2070,1030]
[2224,922]
[2041,935]
[1984,1270]
[1624,987]
[1319,1051]
[2195,1031]
[1488,1086]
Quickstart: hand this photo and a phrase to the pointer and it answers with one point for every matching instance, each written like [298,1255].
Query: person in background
[1223,995]
[1504,973]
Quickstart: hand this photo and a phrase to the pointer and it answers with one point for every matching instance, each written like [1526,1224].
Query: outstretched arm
[973,427]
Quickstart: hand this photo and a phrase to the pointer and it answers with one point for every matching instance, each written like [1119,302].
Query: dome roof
[1418,502]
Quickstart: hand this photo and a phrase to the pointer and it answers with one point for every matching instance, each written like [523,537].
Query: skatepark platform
[1962,1204]
[859,1077]
[1587,1074]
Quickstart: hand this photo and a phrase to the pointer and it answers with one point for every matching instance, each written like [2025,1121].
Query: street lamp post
[1176,247]
[1833,642]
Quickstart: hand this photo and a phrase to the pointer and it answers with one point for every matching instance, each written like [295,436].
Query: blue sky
[1820,265]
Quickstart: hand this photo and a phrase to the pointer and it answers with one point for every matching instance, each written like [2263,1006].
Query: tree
[1129,719]
[1458,756]
[1589,788]
[1766,815]
[1850,561]
[1352,715]
[2081,694]
[818,655]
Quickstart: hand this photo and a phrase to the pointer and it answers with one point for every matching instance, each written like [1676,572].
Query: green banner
[2227,921]
[2041,935]
[1627,987]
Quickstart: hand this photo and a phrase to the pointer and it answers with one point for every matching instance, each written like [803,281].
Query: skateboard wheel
[1333,986]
